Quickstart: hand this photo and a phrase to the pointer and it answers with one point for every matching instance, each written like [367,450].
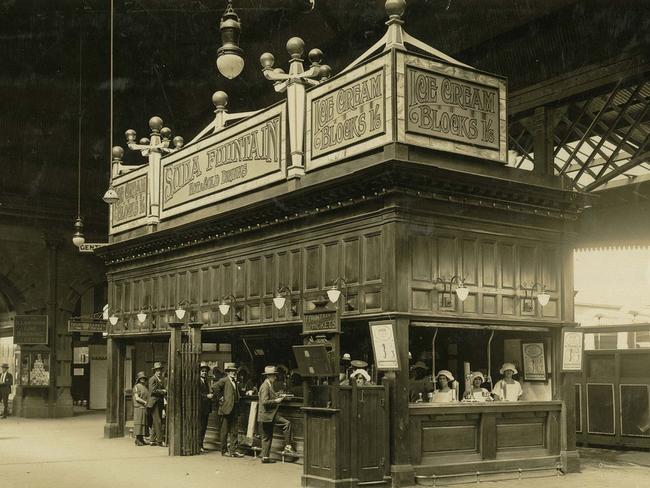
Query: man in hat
[157,394]
[227,393]
[268,416]
[419,385]
[6,381]
[205,406]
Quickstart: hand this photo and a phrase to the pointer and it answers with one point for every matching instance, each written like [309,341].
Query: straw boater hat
[346,357]
[157,365]
[140,376]
[5,366]
[204,365]
[508,366]
[270,370]
[229,367]
[357,363]
[420,365]
[360,372]
[446,374]
[477,374]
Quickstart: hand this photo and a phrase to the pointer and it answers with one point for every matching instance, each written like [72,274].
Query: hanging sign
[384,346]
[319,321]
[30,329]
[76,324]
[239,158]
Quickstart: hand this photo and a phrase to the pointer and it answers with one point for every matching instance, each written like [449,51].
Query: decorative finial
[117,153]
[295,47]
[166,133]
[267,60]
[395,8]
[155,124]
[178,142]
[220,100]
[130,135]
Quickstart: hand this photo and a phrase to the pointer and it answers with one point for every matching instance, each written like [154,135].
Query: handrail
[477,474]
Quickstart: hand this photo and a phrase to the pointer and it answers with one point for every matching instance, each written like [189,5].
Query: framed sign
[319,321]
[572,347]
[30,329]
[534,361]
[384,345]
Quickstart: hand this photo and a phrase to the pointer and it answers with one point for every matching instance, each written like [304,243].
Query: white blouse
[440,396]
[508,392]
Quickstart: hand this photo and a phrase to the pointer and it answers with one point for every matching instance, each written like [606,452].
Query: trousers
[267,433]
[4,397]
[228,432]
[156,423]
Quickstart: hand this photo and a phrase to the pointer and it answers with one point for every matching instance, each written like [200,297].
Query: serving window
[467,352]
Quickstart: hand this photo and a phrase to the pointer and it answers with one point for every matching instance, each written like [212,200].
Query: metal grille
[190,355]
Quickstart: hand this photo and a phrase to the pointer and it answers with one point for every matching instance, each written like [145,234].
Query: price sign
[384,345]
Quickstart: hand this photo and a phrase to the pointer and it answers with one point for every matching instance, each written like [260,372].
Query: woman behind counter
[444,394]
[140,398]
[507,389]
[477,393]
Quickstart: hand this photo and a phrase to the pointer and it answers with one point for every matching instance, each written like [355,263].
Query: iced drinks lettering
[133,201]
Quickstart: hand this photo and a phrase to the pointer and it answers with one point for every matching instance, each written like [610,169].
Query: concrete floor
[71,453]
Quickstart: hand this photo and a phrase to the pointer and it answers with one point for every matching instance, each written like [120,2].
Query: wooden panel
[351,250]
[206,284]
[550,269]
[226,279]
[372,301]
[446,247]
[295,269]
[436,439]
[527,270]
[195,287]
[255,277]
[312,268]
[127,297]
[171,290]
[487,258]
[283,269]
[421,258]
[331,265]
[507,261]
[520,435]
[421,300]
[163,287]
[182,278]
[217,284]
[155,292]
[239,271]
[147,292]
[507,306]
[489,304]
[470,303]
[488,436]
[600,408]
[372,257]
[469,270]
[269,275]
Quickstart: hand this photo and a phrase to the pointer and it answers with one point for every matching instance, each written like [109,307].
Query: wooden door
[371,428]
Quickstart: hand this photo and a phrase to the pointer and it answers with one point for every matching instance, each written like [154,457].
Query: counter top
[468,407]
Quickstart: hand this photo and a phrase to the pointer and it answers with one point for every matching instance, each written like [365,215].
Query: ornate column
[115,406]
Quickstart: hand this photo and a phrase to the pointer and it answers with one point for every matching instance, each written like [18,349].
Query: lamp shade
[180,313]
[279,302]
[142,317]
[230,65]
[113,319]
[224,308]
[110,196]
[543,298]
[462,292]
[78,239]
[334,294]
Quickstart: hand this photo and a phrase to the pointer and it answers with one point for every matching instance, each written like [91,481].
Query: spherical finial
[144,141]
[278,71]
[395,8]
[166,132]
[315,56]
[130,135]
[325,71]
[117,152]
[220,99]
[267,60]
[178,142]
[155,123]
[295,47]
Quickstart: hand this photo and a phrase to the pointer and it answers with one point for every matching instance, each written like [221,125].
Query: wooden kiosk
[392,176]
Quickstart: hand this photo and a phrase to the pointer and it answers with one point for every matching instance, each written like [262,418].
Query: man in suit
[6,380]
[227,392]
[205,407]
[267,415]
[157,394]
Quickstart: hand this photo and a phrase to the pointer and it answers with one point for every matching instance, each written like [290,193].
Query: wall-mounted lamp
[180,309]
[143,314]
[462,292]
[224,306]
[279,300]
[113,319]
[542,296]
[334,293]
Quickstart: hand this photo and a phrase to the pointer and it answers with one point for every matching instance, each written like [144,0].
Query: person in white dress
[507,389]
[477,393]
[443,392]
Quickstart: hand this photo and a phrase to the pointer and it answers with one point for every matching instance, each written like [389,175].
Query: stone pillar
[173,390]
[115,405]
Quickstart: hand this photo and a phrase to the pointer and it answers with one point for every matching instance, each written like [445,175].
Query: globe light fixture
[142,316]
[279,300]
[180,311]
[542,296]
[78,237]
[334,293]
[461,291]
[230,62]
[224,306]
[111,196]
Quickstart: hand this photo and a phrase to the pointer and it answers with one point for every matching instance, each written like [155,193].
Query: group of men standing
[226,393]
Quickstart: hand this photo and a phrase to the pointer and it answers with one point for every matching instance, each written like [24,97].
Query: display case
[33,368]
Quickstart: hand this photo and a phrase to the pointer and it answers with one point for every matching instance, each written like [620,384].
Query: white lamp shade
[113,319]
[142,317]
[180,313]
[462,292]
[279,302]
[78,239]
[224,308]
[334,294]
[110,196]
[543,298]
[230,65]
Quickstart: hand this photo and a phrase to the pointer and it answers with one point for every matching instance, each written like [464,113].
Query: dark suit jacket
[227,396]
[204,391]
[156,391]
[9,380]
[267,407]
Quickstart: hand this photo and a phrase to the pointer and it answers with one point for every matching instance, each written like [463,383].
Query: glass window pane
[600,409]
[635,415]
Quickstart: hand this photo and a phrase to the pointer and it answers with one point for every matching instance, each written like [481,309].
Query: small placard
[572,347]
[534,361]
[86,325]
[384,345]
[321,320]
[30,329]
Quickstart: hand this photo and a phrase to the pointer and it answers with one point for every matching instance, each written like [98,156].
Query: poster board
[533,356]
[384,345]
[30,329]
[572,351]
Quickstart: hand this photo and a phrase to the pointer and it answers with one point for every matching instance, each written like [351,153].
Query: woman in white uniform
[477,393]
[507,389]
[443,393]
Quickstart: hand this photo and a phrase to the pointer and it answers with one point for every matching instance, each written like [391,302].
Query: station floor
[71,453]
